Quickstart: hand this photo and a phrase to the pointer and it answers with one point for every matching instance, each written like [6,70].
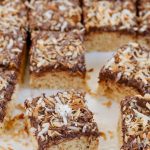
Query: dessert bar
[126,73]
[109,24]
[8,87]
[135,123]
[55,15]
[57,60]
[144,22]
[62,121]
[12,51]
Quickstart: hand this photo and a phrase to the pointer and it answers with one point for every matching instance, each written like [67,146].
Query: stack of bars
[61,32]
[57,53]
[12,53]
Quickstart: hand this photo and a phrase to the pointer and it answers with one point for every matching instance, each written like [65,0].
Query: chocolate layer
[59,118]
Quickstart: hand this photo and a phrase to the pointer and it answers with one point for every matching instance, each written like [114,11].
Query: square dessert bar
[135,123]
[8,87]
[62,121]
[144,21]
[109,24]
[13,16]
[55,15]
[57,60]
[12,51]
[126,73]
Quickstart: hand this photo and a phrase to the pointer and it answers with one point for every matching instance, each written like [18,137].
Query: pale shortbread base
[57,80]
[9,109]
[144,40]
[106,41]
[115,91]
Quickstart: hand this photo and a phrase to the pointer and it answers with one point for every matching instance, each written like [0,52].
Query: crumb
[88,77]
[103,135]
[111,134]
[91,70]
[20,107]
[107,104]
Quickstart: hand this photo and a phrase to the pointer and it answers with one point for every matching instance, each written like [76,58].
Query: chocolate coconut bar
[62,121]
[126,73]
[13,16]
[12,51]
[144,21]
[55,15]
[57,60]
[109,24]
[135,123]
[8,85]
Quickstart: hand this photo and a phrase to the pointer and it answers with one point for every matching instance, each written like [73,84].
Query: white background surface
[106,117]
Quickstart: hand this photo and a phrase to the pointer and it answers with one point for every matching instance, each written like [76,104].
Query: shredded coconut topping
[136,123]
[56,50]
[11,48]
[60,116]
[13,16]
[131,63]
[55,15]
[144,15]
[113,15]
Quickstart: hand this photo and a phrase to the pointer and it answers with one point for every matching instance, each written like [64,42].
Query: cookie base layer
[144,40]
[106,41]
[115,91]
[57,80]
